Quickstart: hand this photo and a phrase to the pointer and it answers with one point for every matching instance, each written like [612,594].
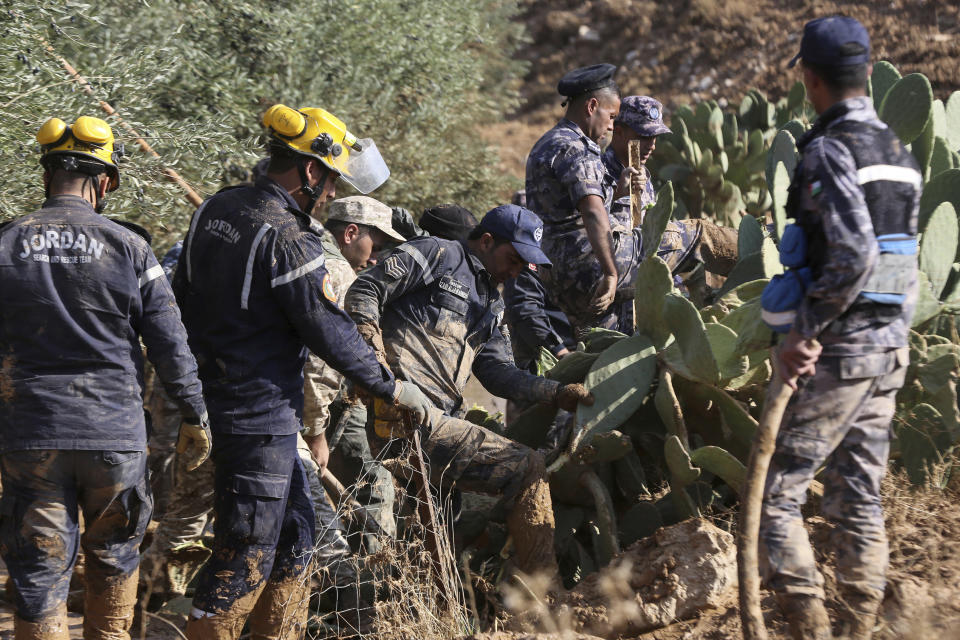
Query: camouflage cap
[643,114]
[366,211]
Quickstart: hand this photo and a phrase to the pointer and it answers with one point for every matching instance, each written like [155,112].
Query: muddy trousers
[43,494]
[473,458]
[840,416]
[263,541]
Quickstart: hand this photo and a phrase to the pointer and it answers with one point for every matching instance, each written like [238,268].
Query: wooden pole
[638,182]
[751,506]
[191,196]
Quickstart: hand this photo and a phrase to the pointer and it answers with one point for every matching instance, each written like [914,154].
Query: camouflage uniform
[564,167]
[350,458]
[440,314]
[856,183]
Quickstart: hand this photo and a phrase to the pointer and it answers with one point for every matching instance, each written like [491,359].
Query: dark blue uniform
[533,320]
[856,186]
[254,292]
[79,293]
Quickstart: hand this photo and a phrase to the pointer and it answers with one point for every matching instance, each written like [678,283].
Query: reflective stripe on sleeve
[152,273]
[420,259]
[248,273]
[890,173]
[296,273]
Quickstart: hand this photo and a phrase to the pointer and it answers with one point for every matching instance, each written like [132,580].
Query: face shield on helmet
[88,146]
[319,134]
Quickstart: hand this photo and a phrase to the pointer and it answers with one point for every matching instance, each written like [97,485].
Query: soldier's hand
[570,395]
[410,397]
[623,183]
[319,449]
[603,295]
[193,443]
[797,357]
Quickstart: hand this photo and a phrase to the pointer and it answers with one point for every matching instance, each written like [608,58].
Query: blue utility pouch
[782,297]
[793,247]
[894,271]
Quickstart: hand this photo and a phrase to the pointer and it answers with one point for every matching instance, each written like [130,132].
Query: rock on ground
[672,575]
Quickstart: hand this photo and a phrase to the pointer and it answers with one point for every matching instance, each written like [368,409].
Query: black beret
[580,81]
[448,221]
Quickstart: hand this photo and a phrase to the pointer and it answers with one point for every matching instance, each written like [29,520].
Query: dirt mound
[690,50]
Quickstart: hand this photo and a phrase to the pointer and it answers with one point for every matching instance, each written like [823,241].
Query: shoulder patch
[394,267]
[328,291]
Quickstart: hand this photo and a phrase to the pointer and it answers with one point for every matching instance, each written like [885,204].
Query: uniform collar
[567,123]
[68,201]
[859,109]
[613,162]
[272,187]
[475,265]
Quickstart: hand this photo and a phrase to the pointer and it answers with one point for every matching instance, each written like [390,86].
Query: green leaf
[619,381]
[927,304]
[944,187]
[722,464]
[907,106]
[573,367]
[938,246]
[690,355]
[654,284]
[883,78]
[723,344]
[952,120]
[678,461]
[750,236]
[545,361]
[656,218]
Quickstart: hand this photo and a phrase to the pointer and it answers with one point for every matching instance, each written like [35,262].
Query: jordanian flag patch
[815,188]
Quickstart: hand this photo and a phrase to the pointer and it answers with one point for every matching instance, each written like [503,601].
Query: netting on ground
[394,575]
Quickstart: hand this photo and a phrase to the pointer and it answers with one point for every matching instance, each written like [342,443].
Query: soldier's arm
[496,371]
[297,277]
[596,221]
[525,298]
[408,267]
[165,337]
[851,251]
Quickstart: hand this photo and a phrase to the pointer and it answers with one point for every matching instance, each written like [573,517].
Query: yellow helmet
[319,134]
[87,146]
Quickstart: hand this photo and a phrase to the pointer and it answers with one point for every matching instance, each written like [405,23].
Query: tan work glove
[194,442]
[407,412]
[570,395]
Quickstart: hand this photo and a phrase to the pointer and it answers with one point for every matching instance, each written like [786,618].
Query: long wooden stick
[191,196]
[751,505]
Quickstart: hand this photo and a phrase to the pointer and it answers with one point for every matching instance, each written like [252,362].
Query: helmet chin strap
[313,193]
[100,202]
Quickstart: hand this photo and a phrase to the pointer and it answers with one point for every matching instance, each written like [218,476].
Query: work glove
[194,442]
[570,395]
[409,396]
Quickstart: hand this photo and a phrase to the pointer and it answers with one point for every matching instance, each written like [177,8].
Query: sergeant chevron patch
[394,268]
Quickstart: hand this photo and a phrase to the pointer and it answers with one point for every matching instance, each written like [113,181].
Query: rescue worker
[448,221]
[433,312]
[79,293]
[358,227]
[534,321]
[566,186]
[855,196]
[255,295]
[686,243]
